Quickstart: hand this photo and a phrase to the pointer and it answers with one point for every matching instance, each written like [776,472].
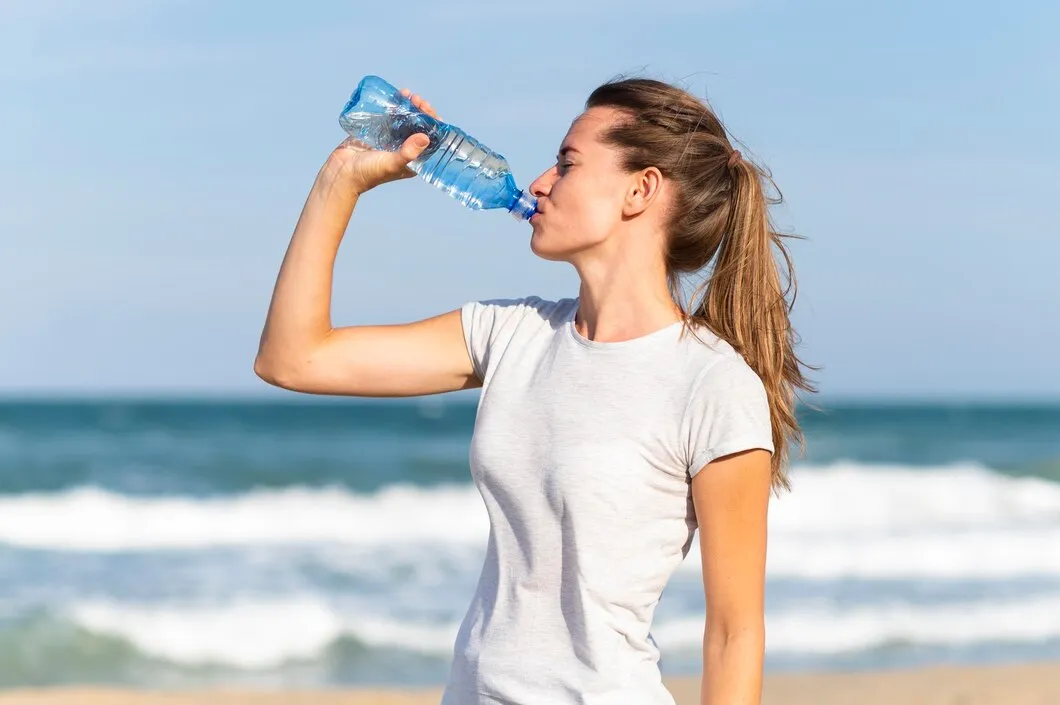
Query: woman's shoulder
[710,357]
[530,307]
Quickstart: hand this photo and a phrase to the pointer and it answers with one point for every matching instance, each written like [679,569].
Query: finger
[417,100]
[413,147]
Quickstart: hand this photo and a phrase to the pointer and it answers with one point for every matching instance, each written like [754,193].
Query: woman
[610,426]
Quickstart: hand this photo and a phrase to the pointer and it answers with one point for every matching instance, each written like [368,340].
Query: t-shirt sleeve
[488,328]
[728,412]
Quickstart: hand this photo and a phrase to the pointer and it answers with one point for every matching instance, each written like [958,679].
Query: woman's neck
[624,302]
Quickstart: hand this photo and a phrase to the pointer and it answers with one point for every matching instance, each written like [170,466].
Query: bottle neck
[524,206]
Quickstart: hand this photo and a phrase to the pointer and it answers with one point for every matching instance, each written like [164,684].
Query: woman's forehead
[588,126]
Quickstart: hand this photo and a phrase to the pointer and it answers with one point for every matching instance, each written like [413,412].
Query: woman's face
[581,198]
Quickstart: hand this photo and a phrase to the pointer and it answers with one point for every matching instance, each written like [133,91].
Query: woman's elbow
[275,373]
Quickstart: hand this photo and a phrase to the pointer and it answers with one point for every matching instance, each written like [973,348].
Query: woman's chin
[539,246]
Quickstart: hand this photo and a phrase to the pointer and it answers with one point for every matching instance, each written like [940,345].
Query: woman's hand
[363,168]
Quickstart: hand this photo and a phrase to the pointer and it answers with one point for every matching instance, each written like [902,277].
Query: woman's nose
[542,185]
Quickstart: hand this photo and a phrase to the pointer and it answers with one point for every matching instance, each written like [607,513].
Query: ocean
[322,542]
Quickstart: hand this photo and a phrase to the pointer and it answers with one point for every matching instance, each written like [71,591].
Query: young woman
[611,426]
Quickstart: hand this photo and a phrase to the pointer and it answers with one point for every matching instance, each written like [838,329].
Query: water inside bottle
[472,174]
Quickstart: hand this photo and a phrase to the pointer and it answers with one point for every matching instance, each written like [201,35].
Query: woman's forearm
[300,312]
[732,668]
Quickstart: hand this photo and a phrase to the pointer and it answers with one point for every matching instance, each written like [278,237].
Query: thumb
[413,147]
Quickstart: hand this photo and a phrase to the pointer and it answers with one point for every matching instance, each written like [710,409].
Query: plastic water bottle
[380,117]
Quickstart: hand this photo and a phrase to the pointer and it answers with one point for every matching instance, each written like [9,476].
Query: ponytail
[744,302]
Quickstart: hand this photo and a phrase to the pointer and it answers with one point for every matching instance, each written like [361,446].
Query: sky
[158,153]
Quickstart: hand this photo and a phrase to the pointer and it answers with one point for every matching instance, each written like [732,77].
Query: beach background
[324,544]
[174,531]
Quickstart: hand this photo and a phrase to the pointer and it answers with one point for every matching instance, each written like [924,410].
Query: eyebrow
[564,150]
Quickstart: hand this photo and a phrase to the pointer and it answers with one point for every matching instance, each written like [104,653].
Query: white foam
[843,520]
[853,497]
[989,554]
[826,629]
[850,520]
[266,634]
[90,519]
[242,635]
[252,634]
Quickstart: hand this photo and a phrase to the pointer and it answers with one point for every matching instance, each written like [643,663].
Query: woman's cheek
[600,214]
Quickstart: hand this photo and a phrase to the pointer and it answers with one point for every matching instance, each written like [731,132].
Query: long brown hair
[720,216]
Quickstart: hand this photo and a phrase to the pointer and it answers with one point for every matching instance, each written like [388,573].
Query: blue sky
[158,154]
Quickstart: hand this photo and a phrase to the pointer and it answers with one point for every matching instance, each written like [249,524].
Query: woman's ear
[644,188]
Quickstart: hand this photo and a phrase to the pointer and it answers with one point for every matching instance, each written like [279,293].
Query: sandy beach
[1024,684]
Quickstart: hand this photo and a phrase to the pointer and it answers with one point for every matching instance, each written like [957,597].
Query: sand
[1025,684]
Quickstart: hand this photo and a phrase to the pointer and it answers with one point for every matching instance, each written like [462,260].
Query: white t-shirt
[583,453]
